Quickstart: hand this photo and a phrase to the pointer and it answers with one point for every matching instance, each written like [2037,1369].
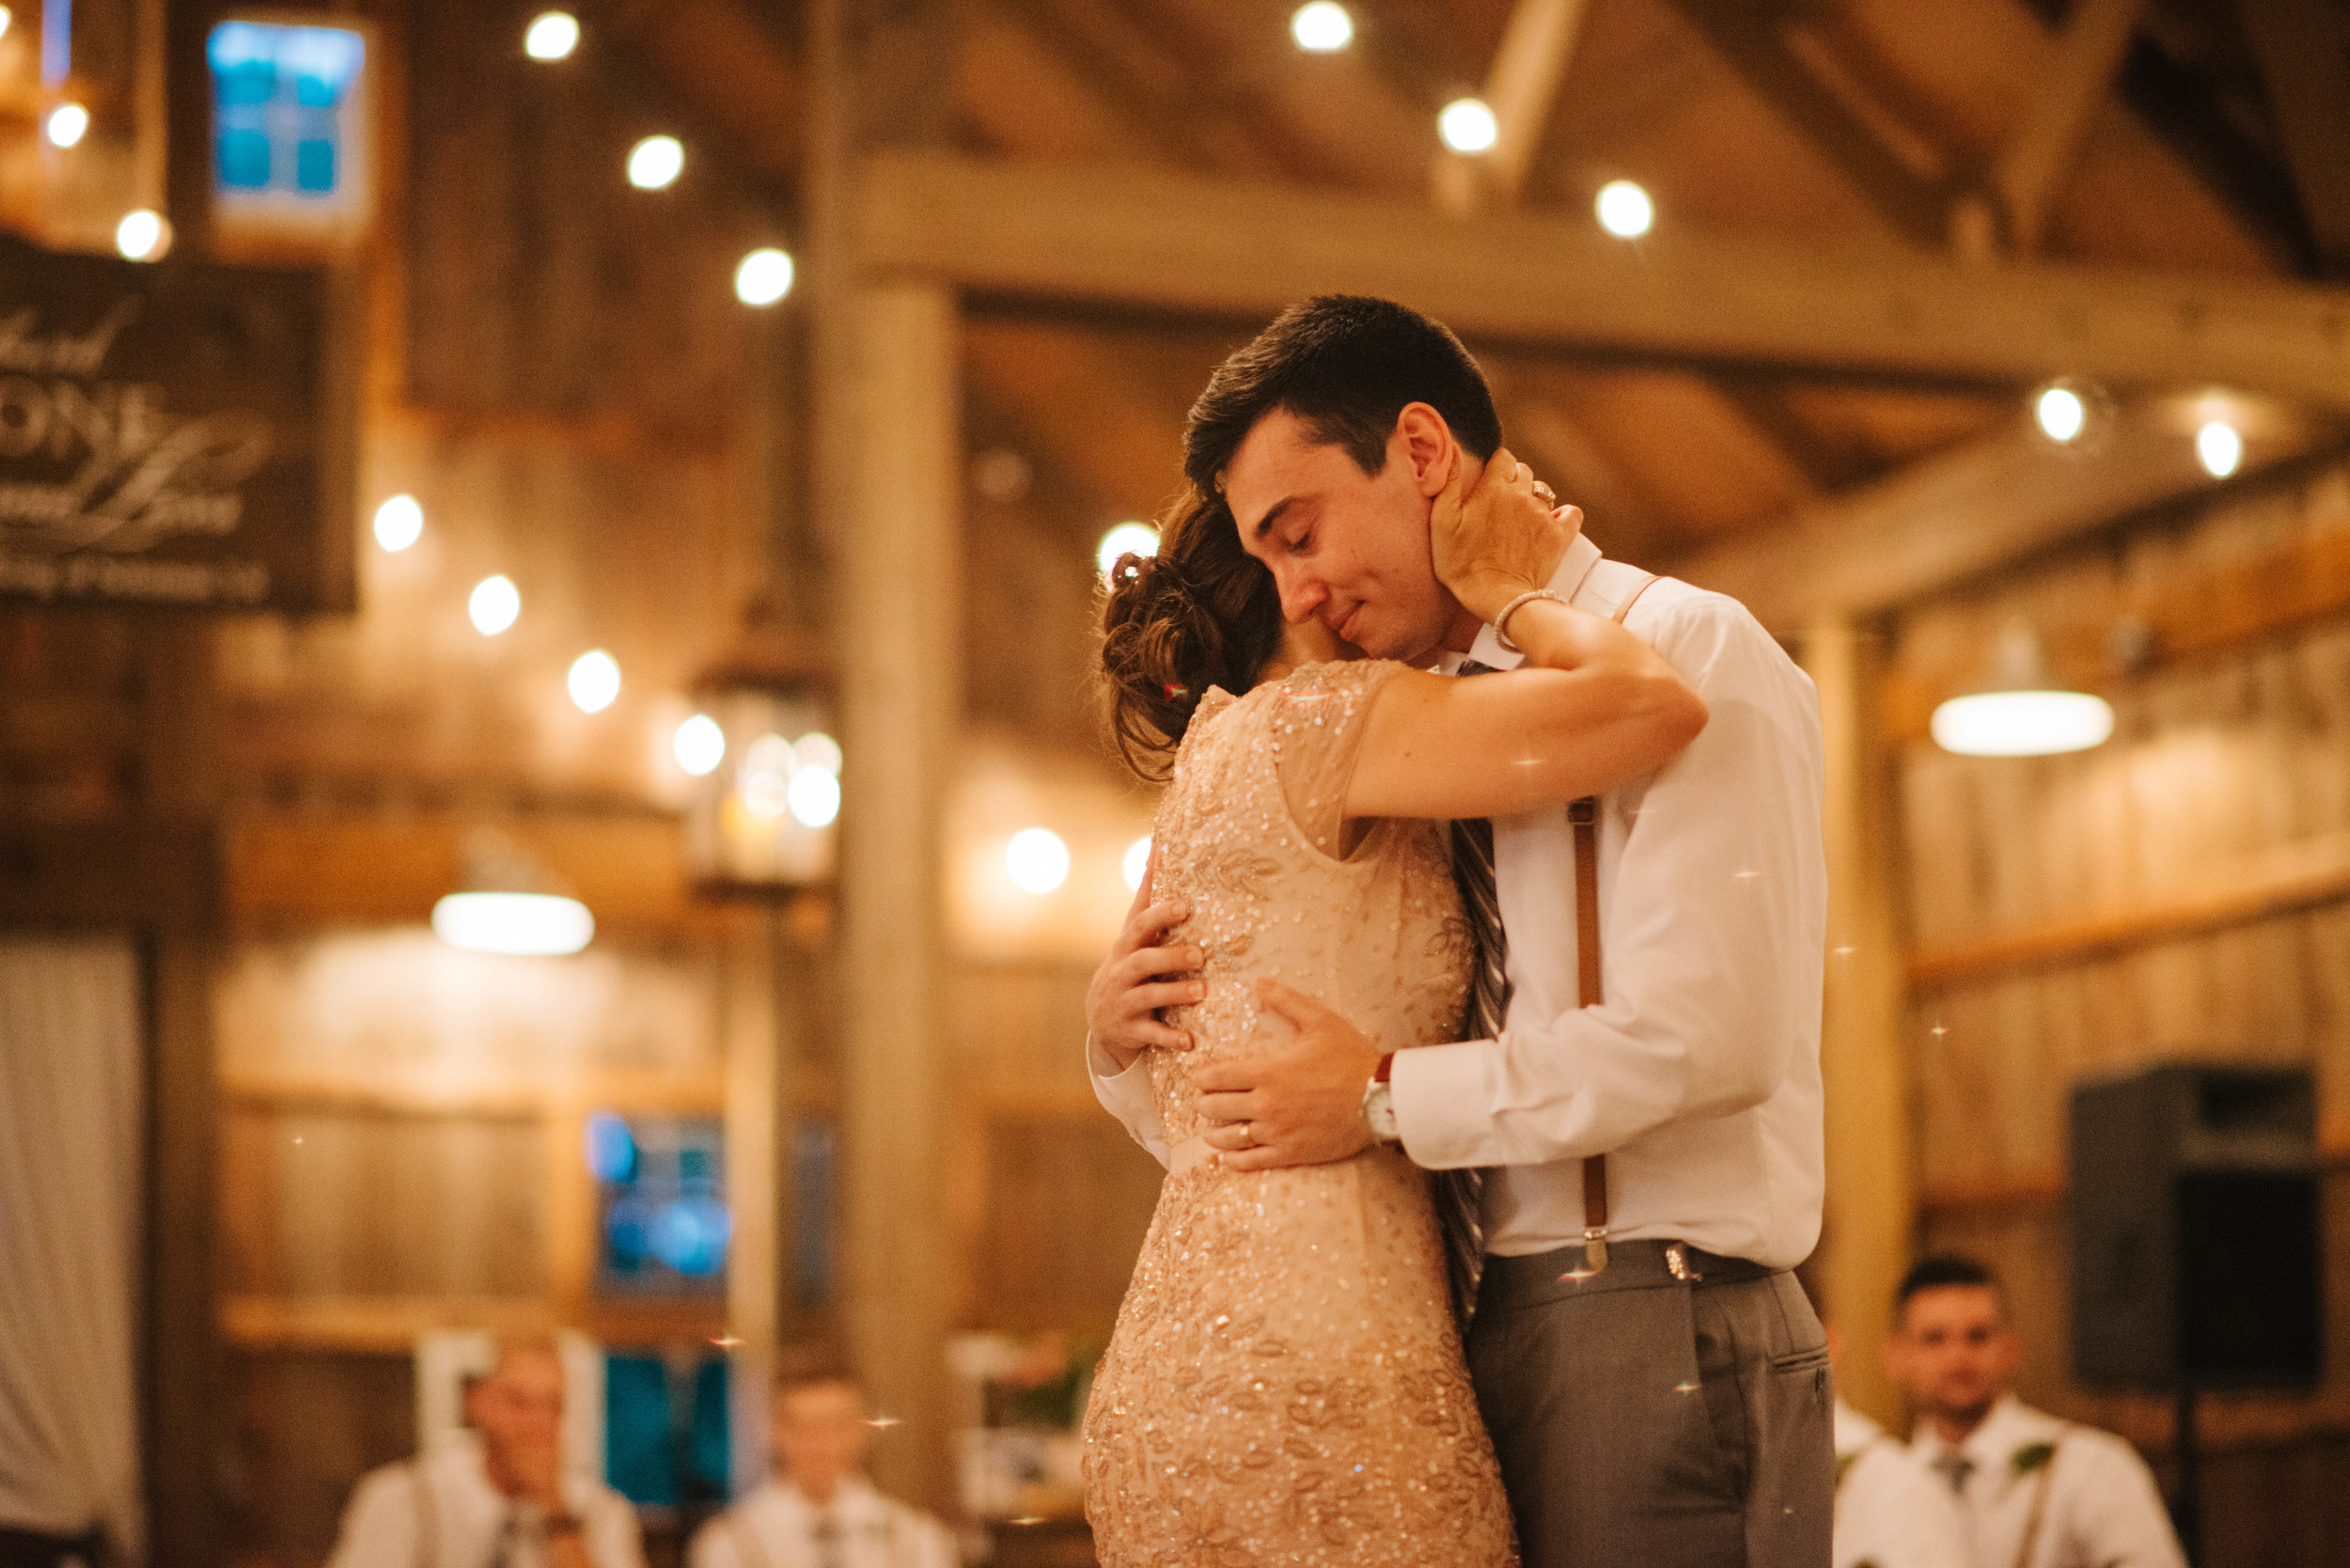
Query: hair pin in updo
[1175,693]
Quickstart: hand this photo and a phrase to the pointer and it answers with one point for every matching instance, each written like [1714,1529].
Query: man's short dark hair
[1345,366]
[1941,1269]
[808,1364]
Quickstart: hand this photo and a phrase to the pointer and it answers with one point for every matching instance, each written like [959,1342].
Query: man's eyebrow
[1273,515]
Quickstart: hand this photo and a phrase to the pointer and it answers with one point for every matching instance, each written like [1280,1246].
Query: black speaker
[2195,1229]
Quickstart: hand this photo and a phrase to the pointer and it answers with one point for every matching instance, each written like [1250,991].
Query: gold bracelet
[1501,622]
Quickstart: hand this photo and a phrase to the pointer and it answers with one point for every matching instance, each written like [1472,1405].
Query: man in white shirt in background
[820,1512]
[1694,1070]
[1891,1509]
[505,1503]
[2035,1491]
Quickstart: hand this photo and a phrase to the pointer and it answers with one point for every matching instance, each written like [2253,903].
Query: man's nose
[1301,596]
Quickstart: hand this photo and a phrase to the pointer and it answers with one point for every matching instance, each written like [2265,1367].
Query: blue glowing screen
[663,1222]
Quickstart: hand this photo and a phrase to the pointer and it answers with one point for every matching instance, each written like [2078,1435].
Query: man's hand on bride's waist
[1298,1104]
[1143,974]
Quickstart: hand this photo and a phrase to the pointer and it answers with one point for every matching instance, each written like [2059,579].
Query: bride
[1285,1383]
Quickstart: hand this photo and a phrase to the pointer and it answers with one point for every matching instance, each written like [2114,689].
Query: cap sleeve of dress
[1315,717]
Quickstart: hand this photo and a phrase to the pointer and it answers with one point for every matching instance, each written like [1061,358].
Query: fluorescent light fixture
[552,36]
[2022,724]
[526,924]
[1624,209]
[1127,539]
[1468,126]
[1037,859]
[1321,27]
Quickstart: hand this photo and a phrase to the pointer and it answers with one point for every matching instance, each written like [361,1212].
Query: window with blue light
[662,1225]
[282,110]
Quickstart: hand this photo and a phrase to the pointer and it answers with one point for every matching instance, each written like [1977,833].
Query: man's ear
[1427,447]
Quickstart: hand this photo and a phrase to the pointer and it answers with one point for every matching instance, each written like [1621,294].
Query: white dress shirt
[2102,1508]
[776,1526]
[1699,1075]
[1891,1512]
[461,1520]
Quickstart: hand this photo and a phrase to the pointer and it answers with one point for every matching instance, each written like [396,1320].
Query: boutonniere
[2030,1457]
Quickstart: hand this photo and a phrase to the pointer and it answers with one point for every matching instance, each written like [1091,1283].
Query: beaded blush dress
[1285,1383]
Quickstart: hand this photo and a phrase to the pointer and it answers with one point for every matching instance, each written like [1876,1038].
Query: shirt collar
[853,1500]
[1566,582]
[1991,1446]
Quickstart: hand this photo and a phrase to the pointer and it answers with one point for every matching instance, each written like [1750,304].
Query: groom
[1654,1380]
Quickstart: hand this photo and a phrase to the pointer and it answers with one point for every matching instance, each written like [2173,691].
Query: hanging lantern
[763,821]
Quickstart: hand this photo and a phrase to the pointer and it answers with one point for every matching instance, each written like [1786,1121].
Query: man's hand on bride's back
[1492,537]
[1298,1104]
[1144,973]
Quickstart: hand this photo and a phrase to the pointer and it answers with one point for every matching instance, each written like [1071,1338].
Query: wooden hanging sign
[178,434]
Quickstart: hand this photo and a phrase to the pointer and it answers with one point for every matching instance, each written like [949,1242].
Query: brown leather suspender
[1583,816]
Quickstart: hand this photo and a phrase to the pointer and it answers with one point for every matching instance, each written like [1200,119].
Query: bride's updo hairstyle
[1200,613]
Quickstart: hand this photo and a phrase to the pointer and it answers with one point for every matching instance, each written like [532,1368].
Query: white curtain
[72,1133]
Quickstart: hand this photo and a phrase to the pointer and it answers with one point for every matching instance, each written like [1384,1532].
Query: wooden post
[754,1144]
[900,588]
[1871,1202]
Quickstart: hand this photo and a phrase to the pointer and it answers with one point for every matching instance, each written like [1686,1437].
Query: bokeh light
[535,924]
[1037,859]
[399,523]
[814,798]
[552,36]
[764,278]
[611,1148]
[2218,449]
[65,125]
[1624,209]
[1321,27]
[2061,412]
[493,604]
[1137,861]
[654,164]
[143,236]
[594,682]
[1468,126]
[700,745]
[1126,538]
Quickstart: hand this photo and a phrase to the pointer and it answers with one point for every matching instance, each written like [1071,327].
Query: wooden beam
[1955,516]
[1180,241]
[1871,1214]
[2255,887]
[2044,150]
[1527,70]
[1752,41]
[390,1325]
[2304,51]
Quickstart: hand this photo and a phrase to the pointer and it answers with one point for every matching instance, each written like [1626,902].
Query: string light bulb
[699,746]
[143,236]
[493,604]
[1467,126]
[552,36]
[764,278]
[1037,859]
[654,164]
[2218,448]
[2062,413]
[1321,27]
[1624,209]
[1126,538]
[5,19]
[399,523]
[594,682]
[65,125]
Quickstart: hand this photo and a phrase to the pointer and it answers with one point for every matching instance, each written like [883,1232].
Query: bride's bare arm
[1591,706]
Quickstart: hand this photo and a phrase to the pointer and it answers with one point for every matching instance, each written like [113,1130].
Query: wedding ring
[1248,1131]
[1549,497]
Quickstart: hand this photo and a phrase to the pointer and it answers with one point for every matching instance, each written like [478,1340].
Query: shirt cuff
[1126,1094]
[1443,1103]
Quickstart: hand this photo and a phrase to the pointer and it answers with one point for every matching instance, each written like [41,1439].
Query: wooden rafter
[2304,51]
[1519,89]
[1177,242]
[2045,148]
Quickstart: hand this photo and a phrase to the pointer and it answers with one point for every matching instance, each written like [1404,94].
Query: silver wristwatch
[1379,1107]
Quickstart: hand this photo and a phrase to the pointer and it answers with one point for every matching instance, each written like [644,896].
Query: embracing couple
[1566,1065]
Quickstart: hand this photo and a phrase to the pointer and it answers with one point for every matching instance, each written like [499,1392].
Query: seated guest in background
[820,1512]
[503,1504]
[1890,1511]
[2035,1491]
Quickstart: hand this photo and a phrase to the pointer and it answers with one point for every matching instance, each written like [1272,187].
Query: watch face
[1379,1111]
